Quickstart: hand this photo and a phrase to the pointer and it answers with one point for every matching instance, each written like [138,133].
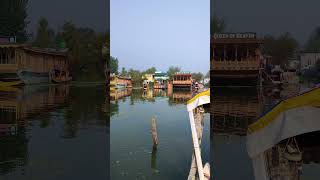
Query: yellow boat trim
[311,98]
[204,93]
[11,83]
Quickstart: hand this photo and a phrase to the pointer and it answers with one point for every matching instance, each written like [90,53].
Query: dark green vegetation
[13,19]
[281,48]
[84,44]
[137,76]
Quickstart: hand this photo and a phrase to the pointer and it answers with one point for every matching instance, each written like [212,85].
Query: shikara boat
[275,133]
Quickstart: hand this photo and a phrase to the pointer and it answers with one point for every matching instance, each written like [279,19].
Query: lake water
[232,110]
[53,132]
[131,152]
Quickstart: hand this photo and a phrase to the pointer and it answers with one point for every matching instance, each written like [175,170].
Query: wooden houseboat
[160,80]
[42,65]
[182,80]
[120,82]
[235,59]
[8,64]
[19,62]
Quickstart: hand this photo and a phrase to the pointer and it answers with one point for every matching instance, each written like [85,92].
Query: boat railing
[182,82]
[248,64]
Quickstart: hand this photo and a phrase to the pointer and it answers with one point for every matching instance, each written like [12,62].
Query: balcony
[235,65]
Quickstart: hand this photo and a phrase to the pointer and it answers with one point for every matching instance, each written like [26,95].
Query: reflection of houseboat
[119,94]
[16,106]
[181,97]
[120,82]
[182,80]
[235,59]
[233,111]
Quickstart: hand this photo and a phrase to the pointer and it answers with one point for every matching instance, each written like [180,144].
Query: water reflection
[232,111]
[132,153]
[45,131]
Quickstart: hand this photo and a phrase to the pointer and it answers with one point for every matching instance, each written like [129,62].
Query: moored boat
[29,77]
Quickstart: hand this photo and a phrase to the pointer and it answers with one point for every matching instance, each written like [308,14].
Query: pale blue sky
[160,33]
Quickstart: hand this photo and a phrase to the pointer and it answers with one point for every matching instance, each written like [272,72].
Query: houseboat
[119,82]
[20,63]
[160,80]
[182,80]
[42,65]
[235,59]
[8,64]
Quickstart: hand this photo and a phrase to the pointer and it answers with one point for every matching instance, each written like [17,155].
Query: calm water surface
[233,109]
[131,153]
[53,132]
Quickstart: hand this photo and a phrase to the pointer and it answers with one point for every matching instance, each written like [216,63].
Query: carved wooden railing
[182,82]
[235,65]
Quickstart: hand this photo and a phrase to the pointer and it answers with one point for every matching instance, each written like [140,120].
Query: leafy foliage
[13,19]
[313,43]
[217,25]
[172,70]
[281,49]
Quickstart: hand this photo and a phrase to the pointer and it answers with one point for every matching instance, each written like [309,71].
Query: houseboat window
[231,52]
[218,53]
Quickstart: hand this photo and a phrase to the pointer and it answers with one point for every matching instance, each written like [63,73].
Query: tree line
[84,44]
[137,76]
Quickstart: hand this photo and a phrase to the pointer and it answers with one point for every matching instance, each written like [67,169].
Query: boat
[235,59]
[6,83]
[276,131]
[29,77]
[57,76]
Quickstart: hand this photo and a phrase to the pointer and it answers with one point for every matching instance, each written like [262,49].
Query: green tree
[151,70]
[124,72]
[281,49]
[313,43]
[114,65]
[136,77]
[197,76]
[45,35]
[217,25]
[172,70]
[13,19]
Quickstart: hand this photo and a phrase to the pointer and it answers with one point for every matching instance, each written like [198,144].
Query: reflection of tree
[85,103]
[13,152]
[114,108]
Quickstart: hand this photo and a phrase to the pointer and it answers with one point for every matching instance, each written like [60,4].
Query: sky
[161,33]
[84,13]
[270,16]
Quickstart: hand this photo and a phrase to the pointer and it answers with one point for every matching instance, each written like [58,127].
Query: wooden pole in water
[154,132]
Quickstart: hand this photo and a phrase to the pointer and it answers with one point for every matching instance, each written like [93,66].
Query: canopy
[198,100]
[291,117]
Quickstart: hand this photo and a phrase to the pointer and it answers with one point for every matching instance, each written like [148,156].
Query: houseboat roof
[47,51]
[236,38]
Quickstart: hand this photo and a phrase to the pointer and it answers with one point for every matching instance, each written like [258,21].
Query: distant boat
[29,77]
